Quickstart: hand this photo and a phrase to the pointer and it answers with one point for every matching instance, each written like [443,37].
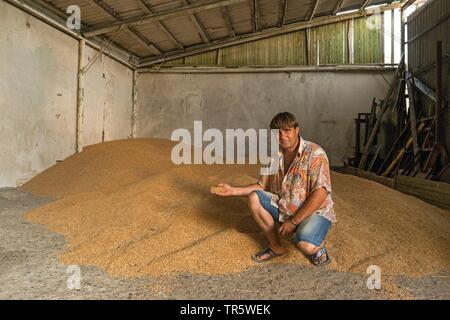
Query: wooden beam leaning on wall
[373,134]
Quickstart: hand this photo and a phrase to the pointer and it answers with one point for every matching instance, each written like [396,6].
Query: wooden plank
[419,188]
[388,182]
[435,186]
[439,199]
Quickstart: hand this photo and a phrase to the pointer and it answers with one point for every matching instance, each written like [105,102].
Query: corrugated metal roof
[183,31]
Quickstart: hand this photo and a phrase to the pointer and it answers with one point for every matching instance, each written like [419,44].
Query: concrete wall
[38,94]
[108,94]
[325,103]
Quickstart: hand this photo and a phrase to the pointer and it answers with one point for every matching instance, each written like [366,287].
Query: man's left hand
[287,228]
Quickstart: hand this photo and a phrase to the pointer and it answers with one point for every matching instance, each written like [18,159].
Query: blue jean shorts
[312,230]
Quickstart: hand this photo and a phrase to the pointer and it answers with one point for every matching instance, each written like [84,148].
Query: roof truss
[193,11]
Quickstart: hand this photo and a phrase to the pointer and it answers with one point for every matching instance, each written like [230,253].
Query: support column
[80,97]
[134,106]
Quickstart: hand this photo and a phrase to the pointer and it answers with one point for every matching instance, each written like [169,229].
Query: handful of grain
[217,190]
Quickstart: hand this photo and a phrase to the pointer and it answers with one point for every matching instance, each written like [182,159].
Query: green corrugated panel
[177,62]
[206,58]
[369,39]
[329,42]
[287,49]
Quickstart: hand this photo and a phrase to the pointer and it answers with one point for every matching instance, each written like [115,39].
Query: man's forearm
[312,204]
[245,191]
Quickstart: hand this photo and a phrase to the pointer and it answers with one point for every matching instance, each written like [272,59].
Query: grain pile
[124,207]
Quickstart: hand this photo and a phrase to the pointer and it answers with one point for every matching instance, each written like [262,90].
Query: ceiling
[153,30]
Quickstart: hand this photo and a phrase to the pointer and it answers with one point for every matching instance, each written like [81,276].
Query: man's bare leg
[308,248]
[266,223]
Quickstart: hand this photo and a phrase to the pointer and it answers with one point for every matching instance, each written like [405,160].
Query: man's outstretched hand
[222,189]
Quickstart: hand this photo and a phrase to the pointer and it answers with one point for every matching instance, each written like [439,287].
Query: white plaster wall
[38,97]
[108,98]
[325,103]
[38,80]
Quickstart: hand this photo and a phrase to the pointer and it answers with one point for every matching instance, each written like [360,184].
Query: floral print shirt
[309,171]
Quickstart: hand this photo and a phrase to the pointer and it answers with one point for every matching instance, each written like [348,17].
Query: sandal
[269,251]
[318,260]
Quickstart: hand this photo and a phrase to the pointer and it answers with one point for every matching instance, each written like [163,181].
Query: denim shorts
[312,230]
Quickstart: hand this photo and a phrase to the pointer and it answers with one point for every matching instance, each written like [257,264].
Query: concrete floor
[29,269]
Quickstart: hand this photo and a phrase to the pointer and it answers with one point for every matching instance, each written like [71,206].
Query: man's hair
[284,120]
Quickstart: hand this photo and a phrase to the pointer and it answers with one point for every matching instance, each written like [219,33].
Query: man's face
[288,137]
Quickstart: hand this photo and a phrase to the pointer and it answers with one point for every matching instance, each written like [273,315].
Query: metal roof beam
[109,13]
[283,12]
[256,16]
[226,17]
[160,25]
[365,4]
[167,14]
[312,10]
[337,7]
[144,42]
[196,22]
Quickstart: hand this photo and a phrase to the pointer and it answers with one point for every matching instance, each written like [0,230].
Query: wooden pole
[384,107]
[134,103]
[80,97]
[412,117]
[439,97]
[402,152]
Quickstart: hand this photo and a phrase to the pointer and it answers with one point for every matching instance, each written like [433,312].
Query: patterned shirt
[309,171]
